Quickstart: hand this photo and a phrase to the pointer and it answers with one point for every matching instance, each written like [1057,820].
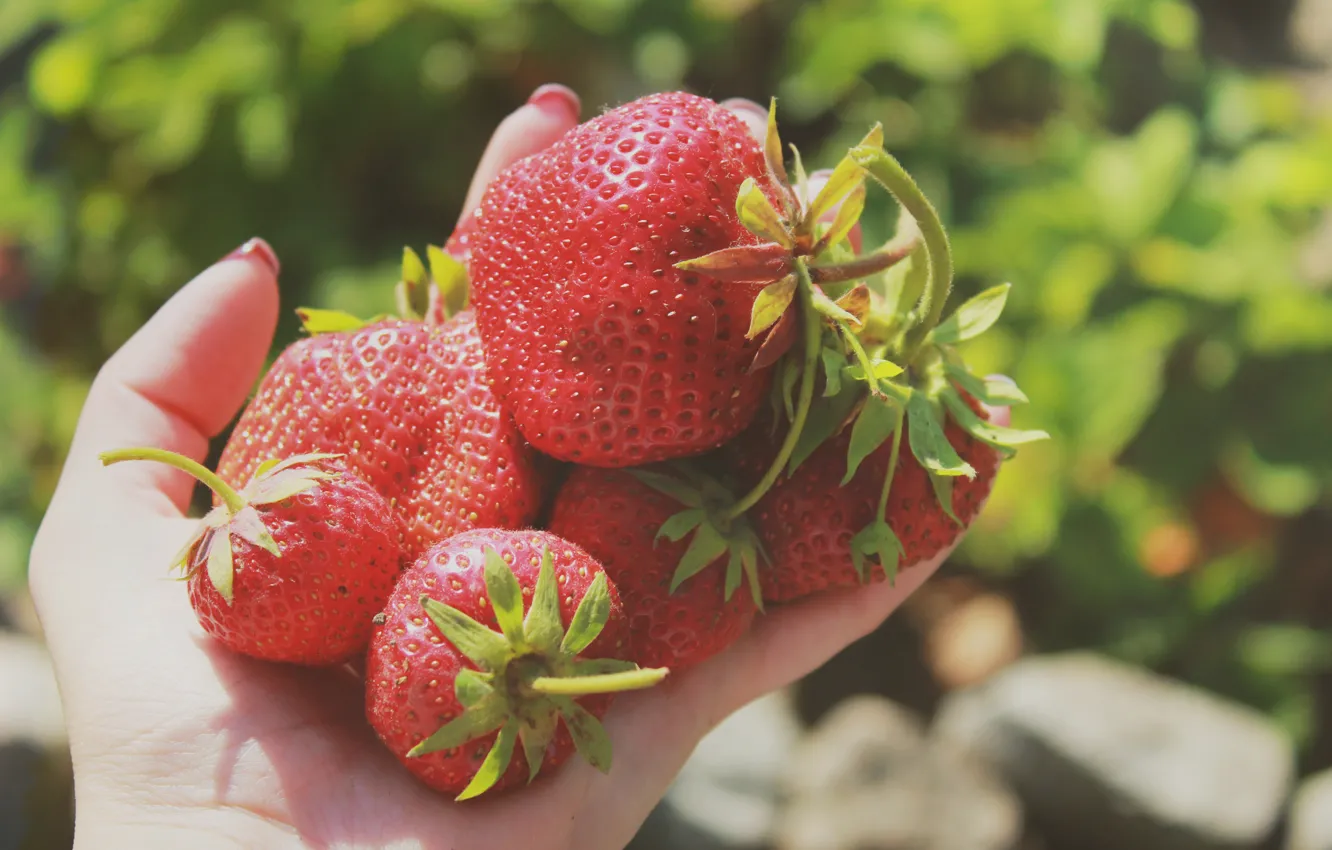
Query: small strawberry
[409,405]
[294,566]
[680,610]
[459,676]
[607,354]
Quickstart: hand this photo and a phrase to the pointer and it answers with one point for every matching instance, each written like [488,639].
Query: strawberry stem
[861,357]
[813,328]
[225,491]
[892,469]
[864,265]
[604,683]
[889,172]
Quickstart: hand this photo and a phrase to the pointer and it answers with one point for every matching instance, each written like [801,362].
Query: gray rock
[727,794]
[36,783]
[1109,756]
[1311,814]
[1311,29]
[867,778]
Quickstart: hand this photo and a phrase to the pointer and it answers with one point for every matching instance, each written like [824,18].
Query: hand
[178,743]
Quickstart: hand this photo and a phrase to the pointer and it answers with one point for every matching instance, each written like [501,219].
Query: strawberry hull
[616,519]
[412,668]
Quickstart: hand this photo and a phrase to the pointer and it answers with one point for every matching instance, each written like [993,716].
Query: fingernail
[556,100]
[744,104]
[257,249]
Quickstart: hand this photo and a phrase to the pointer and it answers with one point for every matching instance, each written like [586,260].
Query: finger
[549,113]
[754,116]
[177,382]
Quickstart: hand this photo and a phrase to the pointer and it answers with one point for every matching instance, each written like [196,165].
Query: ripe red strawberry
[459,677]
[607,354]
[409,405]
[808,522]
[615,517]
[294,566]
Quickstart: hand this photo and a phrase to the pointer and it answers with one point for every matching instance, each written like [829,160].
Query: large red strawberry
[294,566]
[818,527]
[678,617]
[410,406]
[607,354]
[496,641]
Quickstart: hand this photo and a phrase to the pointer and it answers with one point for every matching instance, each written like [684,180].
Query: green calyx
[528,674]
[210,546]
[432,295]
[714,526]
[873,333]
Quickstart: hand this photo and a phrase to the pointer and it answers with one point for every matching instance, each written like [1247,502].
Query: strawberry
[294,566]
[458,675]
[410,406]
[811,523]
[606,352]
[677,618]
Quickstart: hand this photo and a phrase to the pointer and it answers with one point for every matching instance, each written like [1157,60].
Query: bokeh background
[1154,177]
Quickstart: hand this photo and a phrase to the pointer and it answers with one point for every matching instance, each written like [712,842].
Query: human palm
[178,743]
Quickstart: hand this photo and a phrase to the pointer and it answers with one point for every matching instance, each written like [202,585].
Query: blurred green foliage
[1156,205]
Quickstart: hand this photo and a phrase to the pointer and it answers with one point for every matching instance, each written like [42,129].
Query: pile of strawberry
[680,392]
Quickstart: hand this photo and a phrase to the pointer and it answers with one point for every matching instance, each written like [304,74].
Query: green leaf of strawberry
[770,304]
[875,424]
[824,421]
[995,435]
[449,278]
[992,391]
[714,532]
[877,540]
[846,177]
[316,321]
[497,760]
[974,317]
[756,213]
[928,443]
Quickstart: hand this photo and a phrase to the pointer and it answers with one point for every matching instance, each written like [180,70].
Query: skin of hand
[178,743]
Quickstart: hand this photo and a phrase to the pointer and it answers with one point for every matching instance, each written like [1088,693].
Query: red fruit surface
[411,668]
[409,405]
[806,521]
[615,517]
[459,243]
[606,354]
[314,604]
